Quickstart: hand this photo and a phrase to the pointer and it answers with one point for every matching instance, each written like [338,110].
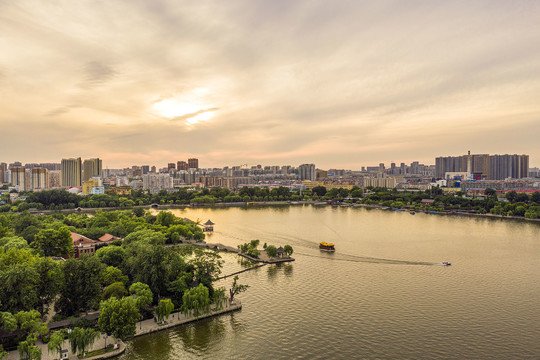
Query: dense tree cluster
[124,280]
[519,204]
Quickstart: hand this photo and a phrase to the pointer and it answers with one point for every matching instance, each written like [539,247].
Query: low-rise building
[82,245]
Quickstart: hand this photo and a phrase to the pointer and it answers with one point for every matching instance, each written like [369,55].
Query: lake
[382,295]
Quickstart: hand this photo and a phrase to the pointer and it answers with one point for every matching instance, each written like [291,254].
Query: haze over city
[341,84]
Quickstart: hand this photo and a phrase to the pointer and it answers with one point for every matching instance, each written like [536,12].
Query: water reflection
[237,325]
[272,271]
[288,269]
[198,336]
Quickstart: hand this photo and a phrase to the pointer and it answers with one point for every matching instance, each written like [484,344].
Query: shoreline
[280,203]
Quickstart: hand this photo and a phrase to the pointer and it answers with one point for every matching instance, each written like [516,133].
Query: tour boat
[326,246]
[412,212]
[446,263]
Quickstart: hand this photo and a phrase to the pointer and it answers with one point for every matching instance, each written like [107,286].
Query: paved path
[99,344]
[149,326]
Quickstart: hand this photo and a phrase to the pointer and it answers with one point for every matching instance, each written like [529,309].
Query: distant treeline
[516,204]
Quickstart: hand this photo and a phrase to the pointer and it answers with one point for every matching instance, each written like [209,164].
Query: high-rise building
[307,172]
[145,169]
[153,169]
[55,179]
[484,166]
[171,166]
[508,166]
[193,163]
[3,173]
[40,178]
[92,168]
[182,165]
[71,172]
[18,177]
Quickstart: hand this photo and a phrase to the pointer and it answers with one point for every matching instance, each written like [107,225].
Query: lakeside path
[178,318]
[142,328]
[98,345]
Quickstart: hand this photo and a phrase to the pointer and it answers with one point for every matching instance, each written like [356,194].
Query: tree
[117,290]
[81,339]
[288,250]
[118,317]
[165,218]
[148,236]
[196,301]
[16,242]
[112,255]
[177,288]
[48,284]
[271,251]
[141,294]
[81,285]
[138,212]
[56,342]
[113,274]
[28,349]
[164,309]
[29,324]
[236,289]
[489,192]
[18,283]
[319,190]
[154,265]
[535,197]
[511,196]
[207,265]
[8,322]
[219,298]
[50,242]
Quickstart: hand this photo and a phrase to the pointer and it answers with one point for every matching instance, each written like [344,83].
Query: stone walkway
[99,344]
[142,328]
[149,326]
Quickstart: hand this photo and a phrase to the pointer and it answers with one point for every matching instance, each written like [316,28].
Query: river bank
[281,203]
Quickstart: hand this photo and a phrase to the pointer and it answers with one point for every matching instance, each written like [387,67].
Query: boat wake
[365,259]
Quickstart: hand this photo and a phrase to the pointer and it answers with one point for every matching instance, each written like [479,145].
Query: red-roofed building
[108,238]
[83,245]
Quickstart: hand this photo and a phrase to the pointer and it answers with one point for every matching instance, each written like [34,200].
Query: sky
[341,84]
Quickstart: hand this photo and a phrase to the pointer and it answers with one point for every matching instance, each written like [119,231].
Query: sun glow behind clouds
[190,108]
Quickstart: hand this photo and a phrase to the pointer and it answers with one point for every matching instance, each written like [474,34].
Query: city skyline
[337,84]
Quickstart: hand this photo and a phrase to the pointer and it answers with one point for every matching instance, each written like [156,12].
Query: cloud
[339,84]
[97,73]
[192,115]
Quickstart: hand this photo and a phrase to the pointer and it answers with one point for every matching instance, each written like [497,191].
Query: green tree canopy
[113,274]
[271,251]
[50,242]
[196,301]
[142,295]
[112,255]
[118,317]
[117,290]
[164,309]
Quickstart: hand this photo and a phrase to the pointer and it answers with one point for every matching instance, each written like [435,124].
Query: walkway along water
[151,325]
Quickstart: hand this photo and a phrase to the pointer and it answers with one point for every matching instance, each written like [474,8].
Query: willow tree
[164,309]
[196,301]
[219,298]
[81,339]
[56,341]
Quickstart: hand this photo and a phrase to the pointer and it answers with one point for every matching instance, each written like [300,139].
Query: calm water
[380,296]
